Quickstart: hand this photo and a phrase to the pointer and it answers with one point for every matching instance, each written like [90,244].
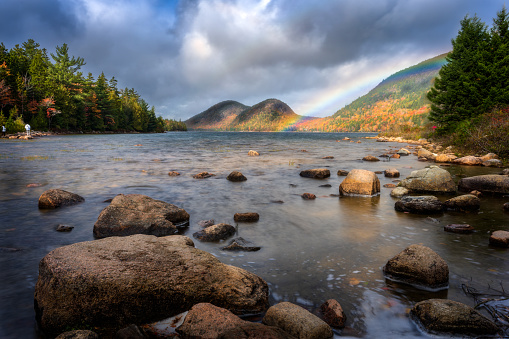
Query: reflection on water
[312,250]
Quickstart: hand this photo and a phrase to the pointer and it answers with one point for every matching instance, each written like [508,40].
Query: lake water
[312,250]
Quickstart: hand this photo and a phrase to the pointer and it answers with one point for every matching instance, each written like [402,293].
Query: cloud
[184,56]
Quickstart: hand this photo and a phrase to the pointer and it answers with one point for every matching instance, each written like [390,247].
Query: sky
[183,56]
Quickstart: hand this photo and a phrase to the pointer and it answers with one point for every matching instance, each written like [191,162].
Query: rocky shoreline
[139,271]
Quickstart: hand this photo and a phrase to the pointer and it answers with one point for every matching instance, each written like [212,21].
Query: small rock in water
[206,223]
[328,157]
[240,244]
[173,173]
[236,176]
[215,232]
[327,185]
[277,201]
[34,185]
[389,185]
[370,158]
[64,228]
[333,313]
[203,175]
[459,228]
[252,153]
[500,239]
[342,173]
[246,217]
[308,196]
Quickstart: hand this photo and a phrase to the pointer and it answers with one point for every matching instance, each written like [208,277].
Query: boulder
[360,182]
[391,173]
[342,173]
[459,228]
[297,321]
[403,151]
[138,214]
[441,158]
[203,175]
[489,156]
[399,192]
[252,153]
[333,313]
[205,321]
[469,160]
[499,239]
[426,204]
[370,158]
[246,217]
[463,203]
[432,179]
[236,177]
[55,198]
[78,334]
[215,232]
[240,244]
[317,173]
[111,283]
[419,266]
[489,183]
[308,196]
[492,163]
[441,316]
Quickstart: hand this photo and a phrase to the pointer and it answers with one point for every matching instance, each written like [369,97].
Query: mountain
[399,99]
[217,116]
[270,115]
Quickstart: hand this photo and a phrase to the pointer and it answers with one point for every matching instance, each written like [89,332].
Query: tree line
[50,93]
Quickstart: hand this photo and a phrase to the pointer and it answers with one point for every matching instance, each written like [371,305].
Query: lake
[311,250]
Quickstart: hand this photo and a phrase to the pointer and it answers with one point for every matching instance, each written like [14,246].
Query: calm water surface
[311,250]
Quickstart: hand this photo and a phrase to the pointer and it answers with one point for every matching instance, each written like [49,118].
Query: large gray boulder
[442,316]
[489,183]
[110,283]
[360,182]
[426,204]
[55,198]
[297,321]
[419,266]
[205,320]
[433,180]
[138,214]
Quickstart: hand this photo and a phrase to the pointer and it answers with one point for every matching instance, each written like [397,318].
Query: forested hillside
[50,92]
[398,100]
[217,117]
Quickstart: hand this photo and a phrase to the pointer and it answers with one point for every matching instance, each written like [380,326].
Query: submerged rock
[173,173]
[360,182]
[215,232]
[55,198]
[418,266]
[370,158]
[138,214]
[203,175]
[441,316]
[297,321]
[459,228]
[426,204]
[206,223]
[317,173]
[64,228]
[490,183]
[240,244]
[308,196]
[111,283]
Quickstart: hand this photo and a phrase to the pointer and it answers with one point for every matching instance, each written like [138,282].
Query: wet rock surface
[138,214]
[215,233]
[114,282]
[399,192]
[308,196]
[489,183]
[317,173]
[463,203]
[419,266]
[440,316]
[297,321]
[499,239]
[333,313]
[459,228]
[205,320]
[391,173]
[240,244]
[246,217]
[236,176]
[203,175]
[426,204]
[55,198]
[360,182]
[432,179]
[370,158]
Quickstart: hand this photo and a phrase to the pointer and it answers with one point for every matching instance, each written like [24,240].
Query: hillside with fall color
[399,99]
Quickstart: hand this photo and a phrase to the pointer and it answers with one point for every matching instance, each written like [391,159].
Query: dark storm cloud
[184,56]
